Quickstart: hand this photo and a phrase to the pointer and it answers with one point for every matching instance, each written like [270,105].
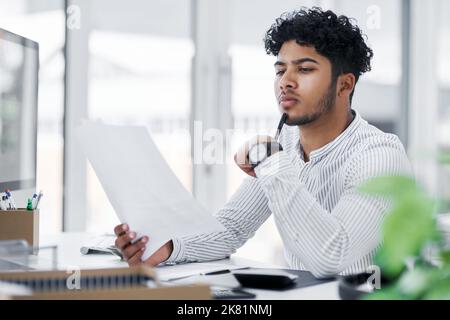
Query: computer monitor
[19,66]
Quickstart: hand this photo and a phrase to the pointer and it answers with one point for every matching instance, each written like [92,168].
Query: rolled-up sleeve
[246,211]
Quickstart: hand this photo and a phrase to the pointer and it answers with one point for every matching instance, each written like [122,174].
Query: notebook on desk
[114,283]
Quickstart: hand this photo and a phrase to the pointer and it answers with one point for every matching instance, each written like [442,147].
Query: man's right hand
[132,252]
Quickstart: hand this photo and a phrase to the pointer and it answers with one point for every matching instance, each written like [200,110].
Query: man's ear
[345,84]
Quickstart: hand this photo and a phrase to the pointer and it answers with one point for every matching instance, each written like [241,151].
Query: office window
[381,21]
[444,101]
[139,74]
[44,22]
[253,103]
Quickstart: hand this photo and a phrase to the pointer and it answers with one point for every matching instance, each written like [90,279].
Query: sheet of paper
[221,280]
[141,187]
[181,271]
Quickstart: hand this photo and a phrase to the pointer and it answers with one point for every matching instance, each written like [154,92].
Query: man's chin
[301,120]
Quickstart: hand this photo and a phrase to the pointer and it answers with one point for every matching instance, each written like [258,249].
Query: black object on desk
[276,279]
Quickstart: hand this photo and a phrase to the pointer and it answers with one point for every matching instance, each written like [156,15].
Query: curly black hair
[334,37]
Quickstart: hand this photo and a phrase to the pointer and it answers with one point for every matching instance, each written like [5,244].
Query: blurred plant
[409,232]
[444,157]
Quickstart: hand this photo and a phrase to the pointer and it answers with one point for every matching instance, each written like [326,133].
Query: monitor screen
[19,65]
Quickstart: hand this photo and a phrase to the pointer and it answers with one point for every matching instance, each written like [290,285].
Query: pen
[200,274]
[33,200]
[12,204]
[38,200]
[3,203]
[280,125]
[221,271]
[215,272]
[6,202]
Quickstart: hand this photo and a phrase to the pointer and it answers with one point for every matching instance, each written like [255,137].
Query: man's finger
[123,241]
[132,249]
[121,229]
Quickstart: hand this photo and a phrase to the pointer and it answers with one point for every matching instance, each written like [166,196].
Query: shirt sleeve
[246,211]
[328,242]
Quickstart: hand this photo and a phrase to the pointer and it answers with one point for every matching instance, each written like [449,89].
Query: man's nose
[288,81]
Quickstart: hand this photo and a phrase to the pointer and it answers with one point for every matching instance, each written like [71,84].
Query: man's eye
[305,70]
[279,72]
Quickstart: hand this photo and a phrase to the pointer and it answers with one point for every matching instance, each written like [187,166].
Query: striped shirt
[327,226]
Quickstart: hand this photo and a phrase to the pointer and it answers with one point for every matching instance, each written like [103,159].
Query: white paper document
[141,187]
[181,271]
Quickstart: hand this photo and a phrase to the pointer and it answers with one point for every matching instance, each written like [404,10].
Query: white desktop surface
[69,257]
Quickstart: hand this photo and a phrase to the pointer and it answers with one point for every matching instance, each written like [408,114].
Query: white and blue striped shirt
[327,226]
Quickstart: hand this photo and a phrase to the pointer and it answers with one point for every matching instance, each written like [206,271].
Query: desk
[69,257]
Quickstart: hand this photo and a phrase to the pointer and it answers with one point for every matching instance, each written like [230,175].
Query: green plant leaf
[406,229]
[417,282]
[440,291]
[388,293]
[445,257]
[444,157]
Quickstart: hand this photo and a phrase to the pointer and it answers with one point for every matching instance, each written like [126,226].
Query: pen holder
[20,224]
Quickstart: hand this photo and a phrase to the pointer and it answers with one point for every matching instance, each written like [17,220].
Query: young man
[309,183]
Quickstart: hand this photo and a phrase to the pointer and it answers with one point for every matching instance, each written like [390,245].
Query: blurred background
[166,64]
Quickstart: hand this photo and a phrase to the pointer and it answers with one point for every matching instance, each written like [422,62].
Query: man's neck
[328,127]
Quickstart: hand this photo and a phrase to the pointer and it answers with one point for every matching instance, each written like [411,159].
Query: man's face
[303,85]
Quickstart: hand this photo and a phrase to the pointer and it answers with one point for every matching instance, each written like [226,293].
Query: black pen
[221,271]
[280,125]
[215,272]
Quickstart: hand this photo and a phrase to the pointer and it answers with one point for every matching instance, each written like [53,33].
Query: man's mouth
[288,102]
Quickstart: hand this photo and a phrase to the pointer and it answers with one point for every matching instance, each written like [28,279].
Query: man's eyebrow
[298,61]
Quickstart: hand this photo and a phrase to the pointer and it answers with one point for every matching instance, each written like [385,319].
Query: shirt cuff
[178,252]
[278,163]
